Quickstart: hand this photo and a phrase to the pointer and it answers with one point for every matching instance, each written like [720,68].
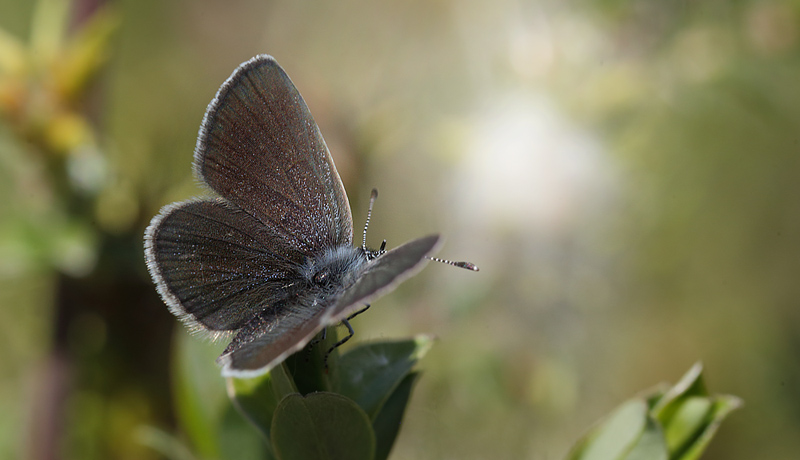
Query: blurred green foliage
[624,173]
[670,423]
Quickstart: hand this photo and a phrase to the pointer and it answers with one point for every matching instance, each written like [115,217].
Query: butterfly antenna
[372,197]
[467,265]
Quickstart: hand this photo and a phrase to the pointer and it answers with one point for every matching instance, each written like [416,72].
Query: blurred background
[626,173]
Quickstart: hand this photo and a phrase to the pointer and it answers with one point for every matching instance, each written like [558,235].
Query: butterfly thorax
[335,268]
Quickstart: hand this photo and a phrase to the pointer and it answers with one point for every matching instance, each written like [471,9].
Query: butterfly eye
[321,276]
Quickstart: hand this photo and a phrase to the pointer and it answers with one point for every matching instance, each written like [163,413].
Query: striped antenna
[372,197]
[467,265]
[373,254]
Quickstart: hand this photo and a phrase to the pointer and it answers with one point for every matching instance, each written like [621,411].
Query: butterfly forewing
[260,148]
[384,274]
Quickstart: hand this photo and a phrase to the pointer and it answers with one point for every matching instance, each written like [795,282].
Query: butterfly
[270,259]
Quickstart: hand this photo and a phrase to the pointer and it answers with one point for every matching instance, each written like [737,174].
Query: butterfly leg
[350,333]
[319,338]
[358,312]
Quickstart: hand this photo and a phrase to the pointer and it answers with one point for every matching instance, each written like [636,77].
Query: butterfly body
[269,260]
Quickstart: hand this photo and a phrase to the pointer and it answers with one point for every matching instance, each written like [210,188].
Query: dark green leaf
[256,398]
[321,426]
[387,423]
[307,367]
[370,373]
[239,439]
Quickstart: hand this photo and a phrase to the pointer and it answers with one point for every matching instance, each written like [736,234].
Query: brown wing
[260,148]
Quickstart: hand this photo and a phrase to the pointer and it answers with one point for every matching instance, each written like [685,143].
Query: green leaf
[691,384]
[256,398]
[722,406]
[238,439]
[614,437]
[686,421]
[370,373]
[387,423]
[206,415]
[321,426]
[162,442]
[650,445]
[199,392]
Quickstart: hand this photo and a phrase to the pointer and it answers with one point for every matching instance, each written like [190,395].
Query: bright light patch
[527,167]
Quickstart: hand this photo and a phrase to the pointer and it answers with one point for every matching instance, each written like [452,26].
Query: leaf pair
[676,423]
[352,411]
